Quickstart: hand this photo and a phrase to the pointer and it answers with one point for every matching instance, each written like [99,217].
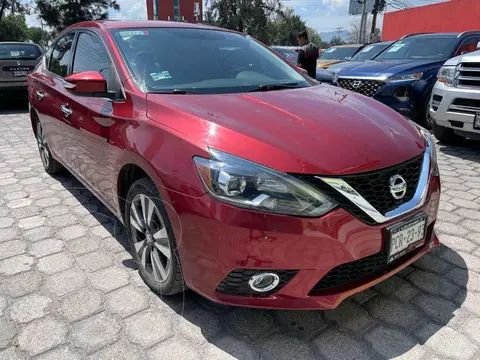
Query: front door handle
[40,95]
[66,110]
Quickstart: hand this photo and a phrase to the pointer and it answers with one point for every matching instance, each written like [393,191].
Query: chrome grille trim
[467,75]
[367,87]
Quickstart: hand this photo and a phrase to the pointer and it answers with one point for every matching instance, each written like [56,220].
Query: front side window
[201,61]
[338,53]
[19,51]
[369,52]
[468,45]
[61,55]
[411,48]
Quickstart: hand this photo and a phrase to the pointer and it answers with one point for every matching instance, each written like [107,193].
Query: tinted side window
[91,55]
[469,45]
[62,53]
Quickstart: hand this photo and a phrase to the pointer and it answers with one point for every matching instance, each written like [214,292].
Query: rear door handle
[66,110]
[40,95]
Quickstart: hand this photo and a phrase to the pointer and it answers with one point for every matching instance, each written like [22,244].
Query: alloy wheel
[150,237]
[42,145]
[428,118]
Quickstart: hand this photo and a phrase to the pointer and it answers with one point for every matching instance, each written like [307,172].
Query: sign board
[355,7]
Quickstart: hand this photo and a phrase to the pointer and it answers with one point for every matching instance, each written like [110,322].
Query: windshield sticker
[130,33]
[367,49]
[395,48]
[330,50]
[160,75]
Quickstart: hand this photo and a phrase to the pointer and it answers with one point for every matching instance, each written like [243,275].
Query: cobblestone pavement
[69,290]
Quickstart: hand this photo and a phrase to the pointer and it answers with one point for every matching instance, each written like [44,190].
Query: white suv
[455,102]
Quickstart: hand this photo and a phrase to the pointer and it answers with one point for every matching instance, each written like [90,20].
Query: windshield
[369,52]
[19,52]
[338,53]
[201,61]
[420,48]
[289,54]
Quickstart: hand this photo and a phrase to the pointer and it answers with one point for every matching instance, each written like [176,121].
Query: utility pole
[378,6]
[339,32]
[363,23]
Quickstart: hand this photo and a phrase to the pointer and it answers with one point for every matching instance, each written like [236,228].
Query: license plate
[476,122]
[20,73]
[406,237]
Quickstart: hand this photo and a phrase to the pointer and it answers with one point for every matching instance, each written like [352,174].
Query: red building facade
[175,10]
[451,16]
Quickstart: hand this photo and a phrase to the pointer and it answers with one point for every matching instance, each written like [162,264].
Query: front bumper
[215,239]
[455,108]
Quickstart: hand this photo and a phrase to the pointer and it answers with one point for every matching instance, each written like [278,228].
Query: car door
[47,92]
[92,119]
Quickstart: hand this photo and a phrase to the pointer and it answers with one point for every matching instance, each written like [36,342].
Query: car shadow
[13,106]
[465,149]
[389,320]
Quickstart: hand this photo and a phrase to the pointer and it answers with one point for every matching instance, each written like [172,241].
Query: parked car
[338,54]
[17,60]
[221,177]
[369,52]
[403,76]
[455,103]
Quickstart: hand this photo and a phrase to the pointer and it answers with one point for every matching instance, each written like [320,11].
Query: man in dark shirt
[307,54]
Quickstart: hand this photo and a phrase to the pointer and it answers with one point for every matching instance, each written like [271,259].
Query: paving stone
[62,353]
[253,323]
[95,332]
[41,194]
[100,232]
[451,344]
[6,222]
[464,278]
[469,301]
[81,304]
[47,202]
[25,212]
[393,312]
[8,331]
[66,282]
[126,301]
[19,203]
[446,206]
[72,232]
[10,354]
[438,309]
[9,234]
[3,304]
[475,237]
[55,263]
[233,347]
[113,245]
[15,265]
[433,284]
[40,233]
[117,351]
[109,279]
[389,343]
[29,308]
[95,260]
[461,195]
[174,349]
[458,243]
[291,348]
[303,324]
[462,260]
[148,328]
[334,345]
[451,229]
[46,247]
[55,211]
[350,316]
[42,335]
[12,248]
[31,222]
[398,288]
[82,245]
[21,284]
[63,220]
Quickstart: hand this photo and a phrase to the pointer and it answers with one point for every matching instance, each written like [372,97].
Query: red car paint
[315,130]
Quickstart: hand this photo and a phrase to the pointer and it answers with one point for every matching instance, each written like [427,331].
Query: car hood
[316,130]
[326,63]
[387,68]
[339,66]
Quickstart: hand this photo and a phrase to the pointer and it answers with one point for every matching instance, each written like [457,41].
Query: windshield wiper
[176,91]
[268,87]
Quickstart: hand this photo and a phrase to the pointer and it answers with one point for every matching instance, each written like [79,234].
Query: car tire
[50,165]
[426,118]
[151,239]
[444,134]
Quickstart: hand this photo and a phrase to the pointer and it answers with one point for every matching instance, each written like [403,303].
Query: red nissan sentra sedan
[235,175]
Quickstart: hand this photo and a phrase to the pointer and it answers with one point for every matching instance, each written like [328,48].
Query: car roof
[347,45]
[18,43]
[131,24]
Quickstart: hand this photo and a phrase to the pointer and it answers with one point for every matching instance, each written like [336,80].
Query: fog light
[264,282]
[402,93]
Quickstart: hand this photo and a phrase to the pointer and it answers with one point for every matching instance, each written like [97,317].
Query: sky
[322,15]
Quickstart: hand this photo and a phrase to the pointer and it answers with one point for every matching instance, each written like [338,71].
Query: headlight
[430,139]
[415,76]
[249,185]
[446,75]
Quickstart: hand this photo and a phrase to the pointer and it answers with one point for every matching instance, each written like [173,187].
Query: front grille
[364,87]
[465,106]
[350,273]
[436,100]
[236,283]
[374,187]
[468,75]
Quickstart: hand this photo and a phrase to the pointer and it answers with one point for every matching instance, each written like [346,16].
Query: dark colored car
[403,75]
[17,60]
[338,54]
[369,52]
[239,181]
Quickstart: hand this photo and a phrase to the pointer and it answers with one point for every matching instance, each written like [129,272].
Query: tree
[283,28]
[336,41]
[315,38]
[355,30]
[14,7]
[58,14]
[13,28]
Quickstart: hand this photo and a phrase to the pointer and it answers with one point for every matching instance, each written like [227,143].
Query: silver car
[17,60]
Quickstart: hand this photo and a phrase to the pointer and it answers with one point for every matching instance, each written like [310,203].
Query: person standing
[307,54]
